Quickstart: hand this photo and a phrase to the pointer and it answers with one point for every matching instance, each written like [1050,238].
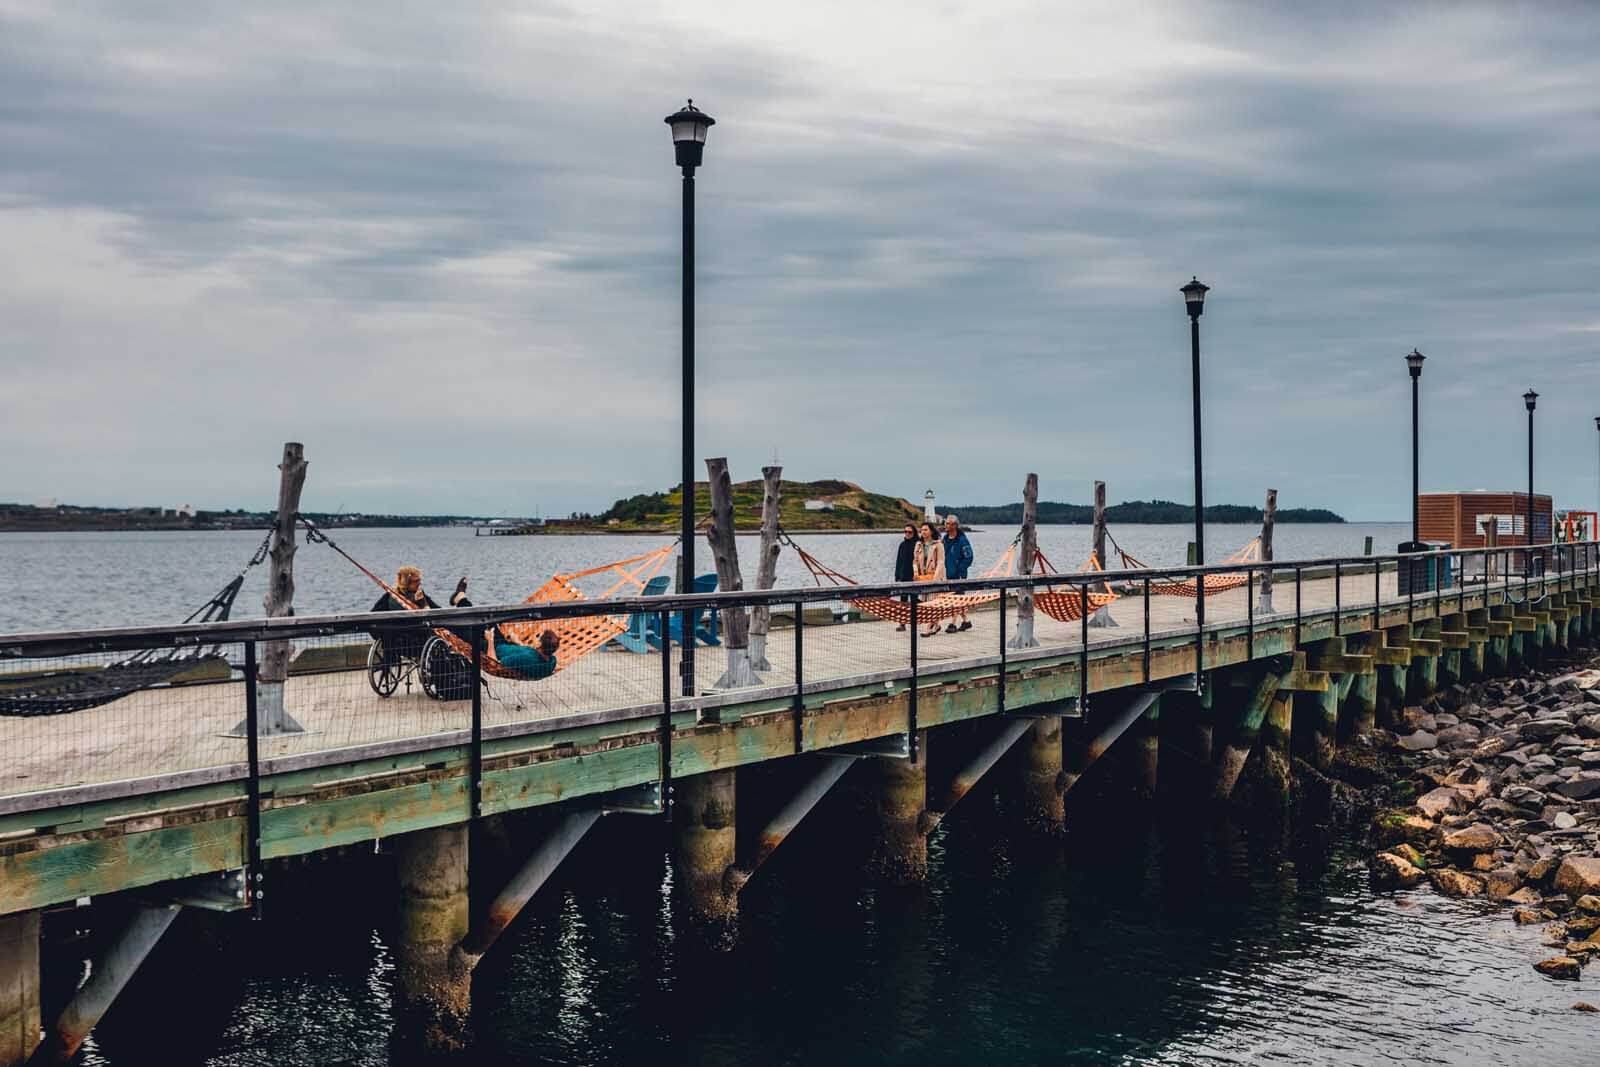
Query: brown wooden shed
[1458,517]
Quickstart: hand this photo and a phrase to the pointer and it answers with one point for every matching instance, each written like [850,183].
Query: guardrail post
[476,756]
[252,743]
[799,676]
[911,697]
[664,620]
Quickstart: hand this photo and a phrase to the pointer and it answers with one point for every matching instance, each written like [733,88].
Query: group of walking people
[926,557]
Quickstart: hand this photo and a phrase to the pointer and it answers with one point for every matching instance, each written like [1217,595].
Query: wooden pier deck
[149,789]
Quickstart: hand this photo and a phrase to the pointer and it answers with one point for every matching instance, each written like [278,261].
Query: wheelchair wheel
[444,675]
[384,676]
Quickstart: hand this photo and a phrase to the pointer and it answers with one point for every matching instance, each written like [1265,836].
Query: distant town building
[819,505]
[185,510]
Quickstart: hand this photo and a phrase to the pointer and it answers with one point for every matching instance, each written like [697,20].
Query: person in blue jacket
[530,663]
[957,561]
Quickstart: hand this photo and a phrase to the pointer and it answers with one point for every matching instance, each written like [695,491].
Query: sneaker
[950,629]
[966,624]
[901,627]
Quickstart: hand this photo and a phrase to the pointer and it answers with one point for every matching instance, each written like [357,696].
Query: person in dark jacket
[902,561]
[407,641]
[957,562]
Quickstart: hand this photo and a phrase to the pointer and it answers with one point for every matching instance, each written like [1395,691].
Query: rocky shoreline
[1503,778]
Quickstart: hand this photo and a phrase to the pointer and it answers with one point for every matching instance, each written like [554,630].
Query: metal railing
[158,738]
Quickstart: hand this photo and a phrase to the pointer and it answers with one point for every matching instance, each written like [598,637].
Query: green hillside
[850,508]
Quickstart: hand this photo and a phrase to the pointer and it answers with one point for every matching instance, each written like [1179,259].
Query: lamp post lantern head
[1414,361]
[1530,398]
[1597,422]
[1194,296]
[689,126]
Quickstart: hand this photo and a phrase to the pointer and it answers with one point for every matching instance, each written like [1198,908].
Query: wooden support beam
[1252,713]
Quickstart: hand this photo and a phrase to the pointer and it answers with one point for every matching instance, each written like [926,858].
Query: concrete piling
[1147,756]
[705,833]
[433,983]
[1275,738]
[1321,714]
[1246,730]
[900,849]
[1039,794]
[1364,698]
[19,987]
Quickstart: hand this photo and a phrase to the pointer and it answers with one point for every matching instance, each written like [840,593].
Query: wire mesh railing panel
[98,717]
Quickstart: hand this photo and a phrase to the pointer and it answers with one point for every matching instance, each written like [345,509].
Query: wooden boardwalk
[184,729]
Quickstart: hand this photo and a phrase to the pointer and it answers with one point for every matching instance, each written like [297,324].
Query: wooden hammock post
[1027,551]
[1102,615]
[767,565]
[720,536]
[272,718]
[1264,606]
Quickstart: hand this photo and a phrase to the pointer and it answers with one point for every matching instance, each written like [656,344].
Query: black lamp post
[1414,364]
[1194,300]
[689,127]
[1531,399]
[1595,534]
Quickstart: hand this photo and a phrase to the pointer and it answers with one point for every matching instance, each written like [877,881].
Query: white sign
[1503,524]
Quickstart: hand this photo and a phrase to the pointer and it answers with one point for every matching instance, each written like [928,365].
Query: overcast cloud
[940,245]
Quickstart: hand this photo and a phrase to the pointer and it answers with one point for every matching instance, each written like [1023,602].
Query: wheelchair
[399,657]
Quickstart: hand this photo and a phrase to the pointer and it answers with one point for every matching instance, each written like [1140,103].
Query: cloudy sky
[940,245]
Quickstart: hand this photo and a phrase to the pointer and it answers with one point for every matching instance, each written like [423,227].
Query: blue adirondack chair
[705,630]
[636,637]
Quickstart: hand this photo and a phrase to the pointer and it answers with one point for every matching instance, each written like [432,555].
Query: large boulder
[1458,736]
[1579,876]
[1564,968]
[1581,786]
[1390,871]
[1453,883]
[1501,882]
[1479,837]
[1398,826]
[1441,801]
[1544,729]
[1420,741]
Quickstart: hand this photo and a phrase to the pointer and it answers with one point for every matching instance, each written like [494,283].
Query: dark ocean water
[1174,944]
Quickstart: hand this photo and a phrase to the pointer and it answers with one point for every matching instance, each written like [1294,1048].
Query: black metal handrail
[116,639]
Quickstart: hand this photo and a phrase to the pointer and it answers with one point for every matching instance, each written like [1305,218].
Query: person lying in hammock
[531,663]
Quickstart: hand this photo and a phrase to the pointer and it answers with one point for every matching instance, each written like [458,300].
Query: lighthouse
[927,507]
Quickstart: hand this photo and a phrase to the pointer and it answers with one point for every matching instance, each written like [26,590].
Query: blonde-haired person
[927,562]
[407,641]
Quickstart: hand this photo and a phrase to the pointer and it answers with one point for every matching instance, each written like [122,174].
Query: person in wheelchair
[531,664]
[405,642]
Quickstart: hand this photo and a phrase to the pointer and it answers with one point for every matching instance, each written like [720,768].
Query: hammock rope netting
[61,690]
[1065,606]
[1215,583]
[579,635]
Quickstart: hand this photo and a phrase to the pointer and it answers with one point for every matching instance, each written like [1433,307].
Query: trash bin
[1442,576]
[1414,573]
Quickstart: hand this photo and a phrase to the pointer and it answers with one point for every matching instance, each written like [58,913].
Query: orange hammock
[936,608]
[1215,583]
[579,635]
[1068,606]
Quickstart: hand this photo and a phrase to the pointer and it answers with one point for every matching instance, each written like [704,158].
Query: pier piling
[433,982]
[1276,732]
[900,850]
[705,854]
[1247,729]
[1041,805]
[19,987]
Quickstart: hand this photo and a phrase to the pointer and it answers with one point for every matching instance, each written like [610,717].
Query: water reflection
[1162,941]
